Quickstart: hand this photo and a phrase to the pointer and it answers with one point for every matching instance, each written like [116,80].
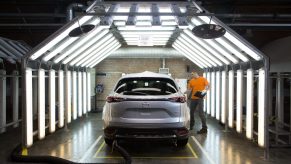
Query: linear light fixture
[229,47]
[84,92]
[103,54]
[189,55]
[212,92]
[234,40]
[208,94]
[89,91]
[60,37]
[74,96]
[218,96]
[151,28]
[261,109]
[186,55]
[250,103]
[223,97]
[68,96]
[230,97]
[61,98]
[154,35]
[80,98]
[208,47]
[193,48]
[239,94]
[91,53]
[52,101]
[102,58]
[204,101]
[222,50]
[193,53]
[202,50]
[82,41]
[60,46]
[41,103]
[84,48]
[28,114]
[96,54]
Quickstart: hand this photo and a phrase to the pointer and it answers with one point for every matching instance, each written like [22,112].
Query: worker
[197,86]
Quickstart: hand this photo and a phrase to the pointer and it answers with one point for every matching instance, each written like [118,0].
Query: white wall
[279,52]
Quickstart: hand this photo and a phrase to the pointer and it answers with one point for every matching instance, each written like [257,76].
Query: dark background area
[34,20]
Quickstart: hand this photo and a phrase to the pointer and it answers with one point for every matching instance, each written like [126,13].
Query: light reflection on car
[146,106]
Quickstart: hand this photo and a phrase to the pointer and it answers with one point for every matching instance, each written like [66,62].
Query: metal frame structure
[150,24]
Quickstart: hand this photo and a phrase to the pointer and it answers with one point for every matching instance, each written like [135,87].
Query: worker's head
[194,74]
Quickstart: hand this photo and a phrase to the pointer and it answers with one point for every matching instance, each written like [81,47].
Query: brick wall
[110,70]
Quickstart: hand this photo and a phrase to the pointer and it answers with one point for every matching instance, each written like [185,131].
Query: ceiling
[256,20]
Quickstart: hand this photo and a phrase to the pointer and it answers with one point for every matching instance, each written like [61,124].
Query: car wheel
[108,141]
[182,143]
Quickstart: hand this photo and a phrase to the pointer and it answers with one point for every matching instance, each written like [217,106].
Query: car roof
[146,74]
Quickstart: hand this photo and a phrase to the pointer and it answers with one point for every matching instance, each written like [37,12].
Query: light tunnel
[62,64]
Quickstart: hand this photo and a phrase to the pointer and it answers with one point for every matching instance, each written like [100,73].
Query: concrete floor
[83,143]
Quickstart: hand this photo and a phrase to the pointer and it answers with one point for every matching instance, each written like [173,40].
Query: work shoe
[202,131]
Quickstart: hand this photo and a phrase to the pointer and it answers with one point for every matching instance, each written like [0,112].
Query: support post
[15,97]
[2,101]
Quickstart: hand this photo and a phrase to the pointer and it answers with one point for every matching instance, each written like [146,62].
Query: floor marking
[90,149]
[98,151]
[116,157]
[193,152]
[203,151]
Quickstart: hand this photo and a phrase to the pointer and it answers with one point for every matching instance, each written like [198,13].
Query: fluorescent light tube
[59,47]
[218,96]
[233,50]
[250,103]
[68,96]
[239,94]
[193,53]
[89,91]
[202,50]
[52,101]
[88,56]
[28,114]
[61,98]
[208,94]
[208,47]
[97,53]
[84,48]
[223,97]
[84,92]
[80,97]
[261,109]
[106,54]
[41,104]
[230,97]
[212,92]
[59,37]
[74,96]
[102,54]
[187,56]
[82,41]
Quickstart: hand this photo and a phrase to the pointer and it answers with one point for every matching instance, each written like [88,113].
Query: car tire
[109,142]
[182,143]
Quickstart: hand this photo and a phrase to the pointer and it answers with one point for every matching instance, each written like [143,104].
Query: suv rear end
[146,106]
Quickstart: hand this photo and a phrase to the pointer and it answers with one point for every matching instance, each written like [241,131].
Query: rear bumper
[146,133]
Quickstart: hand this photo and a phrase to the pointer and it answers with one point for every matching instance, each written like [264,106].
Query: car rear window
[146,86]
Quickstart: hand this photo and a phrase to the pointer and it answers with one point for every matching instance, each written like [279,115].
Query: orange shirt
[198,84]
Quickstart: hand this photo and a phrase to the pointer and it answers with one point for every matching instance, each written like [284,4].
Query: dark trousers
[197,104]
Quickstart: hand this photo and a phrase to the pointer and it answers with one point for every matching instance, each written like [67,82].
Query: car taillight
[182,132]
[180,99]
[111,99]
